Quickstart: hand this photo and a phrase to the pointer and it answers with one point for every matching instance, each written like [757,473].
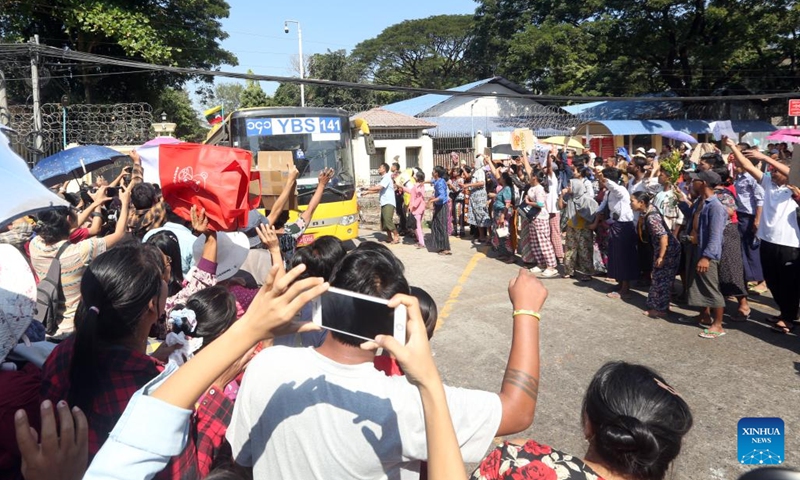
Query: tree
[426,53]
[170,32]
[628,46]
[227,94]
[179,110]
[253,95]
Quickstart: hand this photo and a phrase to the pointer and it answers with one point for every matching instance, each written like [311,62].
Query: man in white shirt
[386,191]
[328,413]
[779,233]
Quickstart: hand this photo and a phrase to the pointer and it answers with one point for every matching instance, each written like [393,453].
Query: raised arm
[98,199]
[324,177]
[122,221]
[743,161]
[280,202]
[550,157]
[270,240]
[520,388]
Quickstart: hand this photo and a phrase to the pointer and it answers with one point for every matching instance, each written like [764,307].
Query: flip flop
[617,295]
[711,335]
[782,330]
[741,317]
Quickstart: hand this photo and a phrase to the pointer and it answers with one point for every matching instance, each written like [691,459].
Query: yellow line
[451,300]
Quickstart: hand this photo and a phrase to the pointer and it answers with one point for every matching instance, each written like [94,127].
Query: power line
[86,57]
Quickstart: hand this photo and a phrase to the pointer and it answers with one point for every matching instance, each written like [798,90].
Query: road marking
[451,300]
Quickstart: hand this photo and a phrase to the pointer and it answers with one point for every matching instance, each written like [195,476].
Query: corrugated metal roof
[381,118]
[627,110]
[466,126]
[418,105]
[653,127]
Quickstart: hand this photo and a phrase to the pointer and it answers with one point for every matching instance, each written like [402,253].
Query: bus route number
[292,126]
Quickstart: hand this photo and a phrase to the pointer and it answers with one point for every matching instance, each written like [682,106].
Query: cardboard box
[273,168]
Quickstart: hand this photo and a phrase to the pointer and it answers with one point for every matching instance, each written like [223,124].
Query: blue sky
[258,40]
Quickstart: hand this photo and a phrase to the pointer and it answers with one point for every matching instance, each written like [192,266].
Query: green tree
[253,95]
[171,32]
[426,53]
[629,46]
[178,107]
[227,94]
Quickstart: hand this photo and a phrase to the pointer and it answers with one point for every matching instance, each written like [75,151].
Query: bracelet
[97,215]
[531,313]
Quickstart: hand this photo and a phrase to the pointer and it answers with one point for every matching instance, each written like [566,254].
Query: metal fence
[116,124]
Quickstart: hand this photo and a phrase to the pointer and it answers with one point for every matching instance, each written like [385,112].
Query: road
[750,372]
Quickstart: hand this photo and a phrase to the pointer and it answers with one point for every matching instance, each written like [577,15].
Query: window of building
[375,161]
[412,157]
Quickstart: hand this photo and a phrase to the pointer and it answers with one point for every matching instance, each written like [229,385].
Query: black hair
[508,181]
[639,163]
[396,165]
[281,220]
[440,171]
[743,146]
[116,290]
[724,174]
[612,174]
[214,309]
[771,473]
[364,272]
[714,159]
[53,225]
[541,177]
[167,242]
[637,420]
[73,198]
[643,197]
[320,257]
[419,176]
[428,308]
[467,169]
[385,166]
[143,196]
[382,250]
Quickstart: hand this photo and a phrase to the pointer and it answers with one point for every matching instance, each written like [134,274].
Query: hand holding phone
[344,302]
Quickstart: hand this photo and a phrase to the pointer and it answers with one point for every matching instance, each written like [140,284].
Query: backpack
[50,301]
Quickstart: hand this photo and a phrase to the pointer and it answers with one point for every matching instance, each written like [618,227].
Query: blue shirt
[749,194]
[709,228]
[440,191]
[387,190]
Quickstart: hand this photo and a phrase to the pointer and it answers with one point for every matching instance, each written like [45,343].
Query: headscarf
[580,202]
[479,162]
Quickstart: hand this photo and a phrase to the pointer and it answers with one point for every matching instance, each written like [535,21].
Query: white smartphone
[388,322]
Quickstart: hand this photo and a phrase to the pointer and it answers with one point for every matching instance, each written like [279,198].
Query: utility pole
[37,112]
[5,115]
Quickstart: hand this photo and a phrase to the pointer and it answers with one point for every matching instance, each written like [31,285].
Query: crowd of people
[180,352]
[726,225]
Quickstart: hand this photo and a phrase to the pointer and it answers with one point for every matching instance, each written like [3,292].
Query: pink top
[244,297]
[417,204]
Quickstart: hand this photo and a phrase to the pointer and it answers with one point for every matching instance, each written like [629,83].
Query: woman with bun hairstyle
[634,423]
[666,253]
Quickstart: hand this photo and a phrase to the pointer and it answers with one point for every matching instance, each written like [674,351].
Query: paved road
[751,372]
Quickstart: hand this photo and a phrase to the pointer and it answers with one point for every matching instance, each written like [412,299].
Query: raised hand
[526,291]
[199,220]
[100,196]
[58,455]
[326,175]
[268,236]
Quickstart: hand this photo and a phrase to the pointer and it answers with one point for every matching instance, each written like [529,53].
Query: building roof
[654,127]
[627,110]
[467,126]
[418,105]
[385,119]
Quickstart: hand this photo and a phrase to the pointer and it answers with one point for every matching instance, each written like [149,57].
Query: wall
[483,106]
[393,148]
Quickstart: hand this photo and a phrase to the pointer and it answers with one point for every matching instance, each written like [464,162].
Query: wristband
[531,313]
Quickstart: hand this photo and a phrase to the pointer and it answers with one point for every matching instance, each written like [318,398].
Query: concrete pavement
[750,372]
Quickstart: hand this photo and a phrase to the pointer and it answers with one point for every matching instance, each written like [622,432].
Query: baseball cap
[653,151]
[709,177]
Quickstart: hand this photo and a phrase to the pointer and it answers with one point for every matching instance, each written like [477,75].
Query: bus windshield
[317,138]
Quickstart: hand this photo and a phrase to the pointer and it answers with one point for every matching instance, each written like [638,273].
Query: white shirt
[387,190]
[649,185]
[778,217]
[300,415]
[552,195]
[537,194]
[619,202]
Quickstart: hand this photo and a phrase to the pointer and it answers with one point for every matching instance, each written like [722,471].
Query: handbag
[213,178]
[529,211]
[502,232]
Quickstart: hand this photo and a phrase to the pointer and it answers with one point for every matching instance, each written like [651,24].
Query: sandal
[617,295]
[706,333]
[785,330]
[741,317]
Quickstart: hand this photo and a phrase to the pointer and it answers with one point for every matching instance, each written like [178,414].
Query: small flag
[213,115]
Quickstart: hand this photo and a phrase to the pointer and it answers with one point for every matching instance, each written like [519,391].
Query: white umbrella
[23,194]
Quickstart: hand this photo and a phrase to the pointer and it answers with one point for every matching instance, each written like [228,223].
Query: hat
[686,146]
[232,250]
[254,219]
[17,298]
[708,176]
[639,154]
[640,150]
[653,151]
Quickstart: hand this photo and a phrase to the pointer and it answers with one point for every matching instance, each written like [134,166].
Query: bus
[319,138]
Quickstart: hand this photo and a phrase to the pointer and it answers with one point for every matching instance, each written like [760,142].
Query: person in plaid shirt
[100,367]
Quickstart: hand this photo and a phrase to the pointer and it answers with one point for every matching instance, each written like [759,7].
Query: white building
[398,138]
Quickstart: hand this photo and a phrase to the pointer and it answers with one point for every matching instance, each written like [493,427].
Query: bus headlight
[347,220]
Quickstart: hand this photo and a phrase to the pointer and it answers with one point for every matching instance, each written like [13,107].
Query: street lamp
[302,62]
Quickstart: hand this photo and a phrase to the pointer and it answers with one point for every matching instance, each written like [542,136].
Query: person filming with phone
[328,413]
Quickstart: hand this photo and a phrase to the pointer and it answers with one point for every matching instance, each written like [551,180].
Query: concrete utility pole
[5,116]
[37,112]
